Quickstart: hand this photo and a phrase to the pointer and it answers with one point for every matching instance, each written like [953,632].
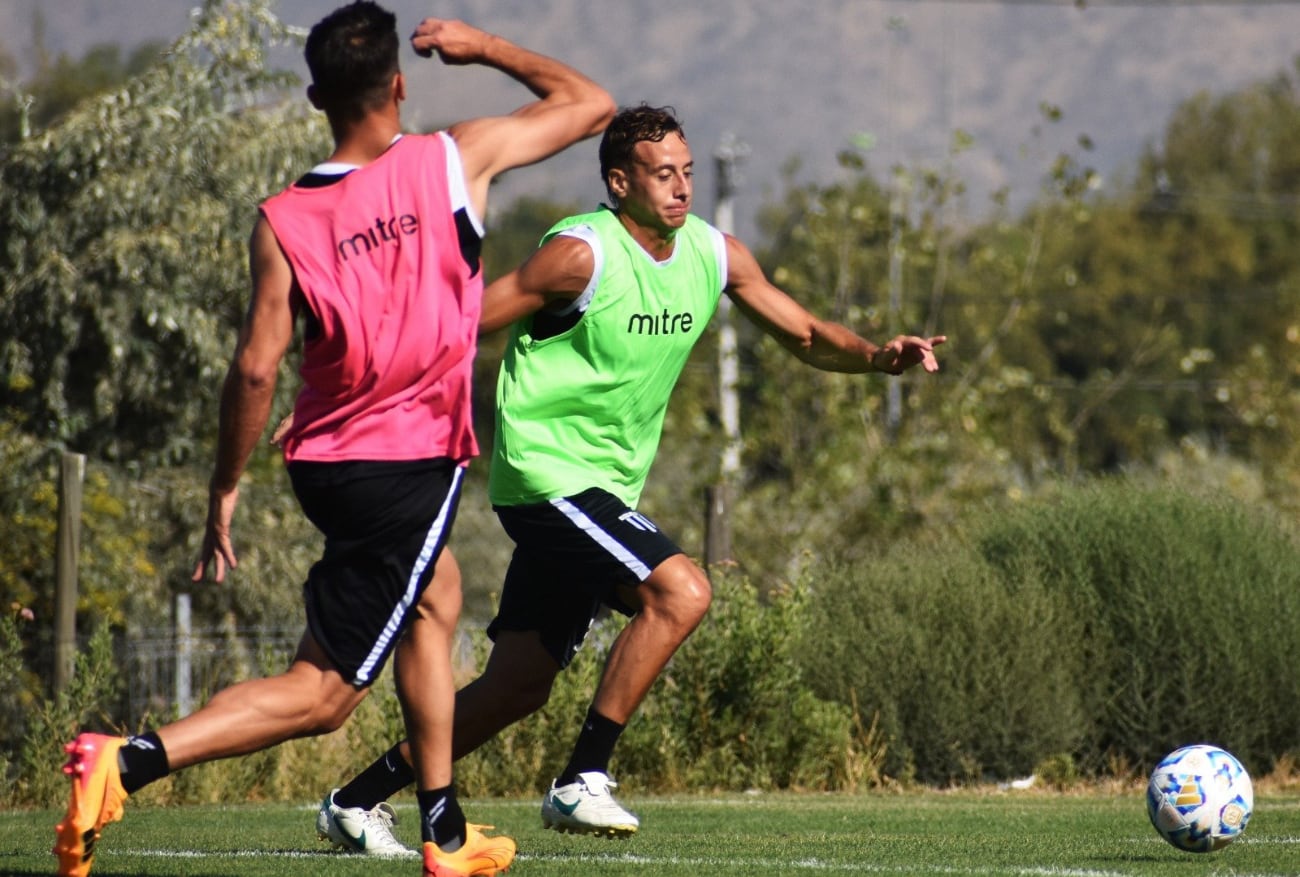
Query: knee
[698,598]
[685,600]
[330,711]
[521,690]
[331,720]
[529,695]
[517,680]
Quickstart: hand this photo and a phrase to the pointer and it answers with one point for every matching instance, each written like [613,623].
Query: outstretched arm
[247,392]
[820,343]
[569,106]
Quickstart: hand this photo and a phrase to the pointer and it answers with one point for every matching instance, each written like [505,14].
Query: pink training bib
[386,370]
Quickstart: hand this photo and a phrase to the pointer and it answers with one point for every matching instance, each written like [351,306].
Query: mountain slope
[804,79]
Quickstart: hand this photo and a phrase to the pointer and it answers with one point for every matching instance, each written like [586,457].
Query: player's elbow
[255,375]
[593,109]
[603,107]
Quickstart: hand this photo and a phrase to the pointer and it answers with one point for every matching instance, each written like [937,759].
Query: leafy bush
[1190,614]
[1095,628]
[965,671]
[84,703]
[1110,622]
[731,711]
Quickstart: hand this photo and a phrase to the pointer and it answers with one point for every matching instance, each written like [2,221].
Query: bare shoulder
[742,267]
[263,245]
[562,265]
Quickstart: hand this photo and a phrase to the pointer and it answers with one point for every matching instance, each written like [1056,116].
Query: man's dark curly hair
[630,127]
[352,56]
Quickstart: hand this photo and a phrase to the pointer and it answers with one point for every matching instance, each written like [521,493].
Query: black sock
[441,819]
[379,782]
[142,760]
[594,748]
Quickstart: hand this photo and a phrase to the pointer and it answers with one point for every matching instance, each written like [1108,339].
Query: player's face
[656,190]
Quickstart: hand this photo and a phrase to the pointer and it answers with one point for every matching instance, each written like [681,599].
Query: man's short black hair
[352,56]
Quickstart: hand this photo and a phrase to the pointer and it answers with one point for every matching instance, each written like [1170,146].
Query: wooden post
[717,524]
[72,471]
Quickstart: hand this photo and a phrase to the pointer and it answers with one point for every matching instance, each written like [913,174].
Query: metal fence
[171,671]
[167,673]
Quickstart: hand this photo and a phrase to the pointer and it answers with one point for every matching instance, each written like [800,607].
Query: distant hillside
[803,79]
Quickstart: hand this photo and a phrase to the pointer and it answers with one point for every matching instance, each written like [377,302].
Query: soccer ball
[1200,798]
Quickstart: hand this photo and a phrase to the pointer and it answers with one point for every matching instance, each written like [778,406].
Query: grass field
[916,833]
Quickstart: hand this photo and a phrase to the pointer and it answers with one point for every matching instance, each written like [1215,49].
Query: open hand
[217,552]
[905,351]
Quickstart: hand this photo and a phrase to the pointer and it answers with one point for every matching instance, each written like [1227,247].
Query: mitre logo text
[660,324]
[384,231]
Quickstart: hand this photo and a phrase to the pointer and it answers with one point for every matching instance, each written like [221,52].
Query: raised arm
[820,343]
[569,106]
[554,275]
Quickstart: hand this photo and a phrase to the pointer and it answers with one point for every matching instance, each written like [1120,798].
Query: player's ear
[314,96]
[617,182]
[399,87]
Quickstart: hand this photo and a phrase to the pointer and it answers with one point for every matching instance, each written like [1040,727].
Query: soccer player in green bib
[602,318]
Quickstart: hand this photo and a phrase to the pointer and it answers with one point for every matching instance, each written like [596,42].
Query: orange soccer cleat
[481,856]
[96,800]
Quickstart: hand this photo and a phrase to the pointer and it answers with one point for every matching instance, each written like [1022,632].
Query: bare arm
[555,274]
[247,392]
[820,343]
[569,106]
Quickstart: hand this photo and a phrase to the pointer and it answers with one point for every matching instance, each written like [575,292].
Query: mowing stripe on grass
[657,861]
[813,865]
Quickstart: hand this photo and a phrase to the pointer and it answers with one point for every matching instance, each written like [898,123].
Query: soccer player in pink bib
[376,252]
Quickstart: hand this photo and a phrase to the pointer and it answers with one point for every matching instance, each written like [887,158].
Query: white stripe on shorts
[604,539]
[431,541]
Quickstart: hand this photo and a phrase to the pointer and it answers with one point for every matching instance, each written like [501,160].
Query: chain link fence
[170,672]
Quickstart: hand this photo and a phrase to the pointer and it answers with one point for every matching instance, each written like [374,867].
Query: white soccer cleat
[354,830]
[586,806]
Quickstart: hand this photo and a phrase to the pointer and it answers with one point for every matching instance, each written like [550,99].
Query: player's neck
[363,141]
[657,242]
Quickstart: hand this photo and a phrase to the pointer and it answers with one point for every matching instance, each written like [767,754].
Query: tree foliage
[61,83]
[124,230]
[1150,327]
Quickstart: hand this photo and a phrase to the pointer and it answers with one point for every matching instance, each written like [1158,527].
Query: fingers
[219,554]
[454,41]
[277,437]
[425,37]
[220,561]
[218,564]
[216,561]
[905,351]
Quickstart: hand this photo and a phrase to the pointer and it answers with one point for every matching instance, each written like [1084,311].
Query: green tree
[1219,194]
[124,230]
[60,84]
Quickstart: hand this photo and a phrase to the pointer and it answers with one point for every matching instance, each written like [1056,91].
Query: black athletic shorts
[385,523]
[570,555]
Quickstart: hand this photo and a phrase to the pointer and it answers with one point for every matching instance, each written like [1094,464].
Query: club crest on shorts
[640,521]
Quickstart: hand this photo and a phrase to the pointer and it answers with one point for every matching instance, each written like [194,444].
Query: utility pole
[893,388]
[717,522]
[893,320]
